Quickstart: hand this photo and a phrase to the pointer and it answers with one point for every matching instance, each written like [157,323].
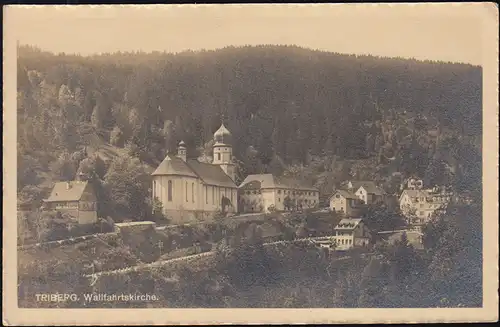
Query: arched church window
[169,189]
[187,192]
[192,192]
[218,156]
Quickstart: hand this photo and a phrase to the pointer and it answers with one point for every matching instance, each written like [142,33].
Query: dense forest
[318,115]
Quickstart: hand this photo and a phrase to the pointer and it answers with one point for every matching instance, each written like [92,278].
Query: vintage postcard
[271,164]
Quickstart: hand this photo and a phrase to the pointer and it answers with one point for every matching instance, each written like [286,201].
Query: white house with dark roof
[190,189]
[261,192]
[351,233]
[367,191]
[346,203]
[74,198]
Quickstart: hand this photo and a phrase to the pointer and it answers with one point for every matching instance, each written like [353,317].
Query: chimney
[181,150]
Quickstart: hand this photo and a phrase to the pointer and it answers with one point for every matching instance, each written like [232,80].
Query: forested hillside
[322,115]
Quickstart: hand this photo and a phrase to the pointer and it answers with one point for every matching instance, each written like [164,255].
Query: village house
[421,204]
[265,192]
[367,191]
[76,199]
[346,203]
[351,233]
[190,189]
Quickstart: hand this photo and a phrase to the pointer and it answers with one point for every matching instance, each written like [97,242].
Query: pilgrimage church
[190,190]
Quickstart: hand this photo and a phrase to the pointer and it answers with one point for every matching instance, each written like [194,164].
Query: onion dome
[182,144]
[222,135]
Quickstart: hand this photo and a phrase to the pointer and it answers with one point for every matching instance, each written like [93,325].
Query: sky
[433,32]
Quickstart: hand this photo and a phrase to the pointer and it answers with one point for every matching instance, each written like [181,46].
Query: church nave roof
[173,165]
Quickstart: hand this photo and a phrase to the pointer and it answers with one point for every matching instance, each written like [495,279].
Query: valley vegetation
[322,116]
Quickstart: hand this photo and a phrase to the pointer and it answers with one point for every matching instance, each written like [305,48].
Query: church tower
[223,151]
[181,150]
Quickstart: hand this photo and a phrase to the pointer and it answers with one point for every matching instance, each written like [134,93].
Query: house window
[206,194]
[231,196]
[421,213]
[218,156]
[192,192]
[154,188]
[279,191]
[213,194]
[187,192]
[279,199]
[169,190]
[254,192]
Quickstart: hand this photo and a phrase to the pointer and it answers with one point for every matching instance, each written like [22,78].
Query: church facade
[190,190]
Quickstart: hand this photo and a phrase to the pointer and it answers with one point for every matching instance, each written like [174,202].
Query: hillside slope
[318,115]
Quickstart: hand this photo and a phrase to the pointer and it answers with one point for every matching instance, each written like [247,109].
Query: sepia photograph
[251,157]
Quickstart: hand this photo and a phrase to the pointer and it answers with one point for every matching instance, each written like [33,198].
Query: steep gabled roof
[345,194]
[173,165]
[369,186]
[269,181]
[211,174]
[67,191]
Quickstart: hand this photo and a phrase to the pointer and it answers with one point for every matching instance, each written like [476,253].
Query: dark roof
[208,173]
[348,224]
[345,194]
[173,165]
[269,181]
[67,191]
[211,174]
[293,183]
[252,185]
